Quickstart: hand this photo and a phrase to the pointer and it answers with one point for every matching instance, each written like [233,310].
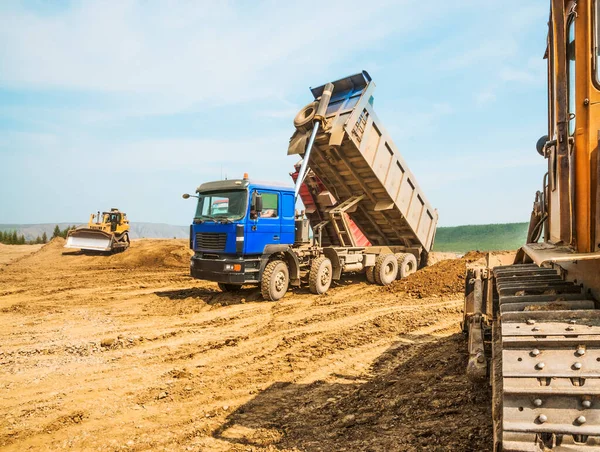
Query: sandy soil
[10,253]
[126,352]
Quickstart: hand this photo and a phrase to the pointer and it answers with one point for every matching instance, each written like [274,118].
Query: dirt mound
[46,253]
[144,253]
[154,253]
[446,277]
[55,244]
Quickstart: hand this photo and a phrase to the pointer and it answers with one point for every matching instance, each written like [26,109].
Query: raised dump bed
[354,156]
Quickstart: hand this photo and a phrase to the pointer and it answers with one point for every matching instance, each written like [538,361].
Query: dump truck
[105,232]
[534,326]
[262,240]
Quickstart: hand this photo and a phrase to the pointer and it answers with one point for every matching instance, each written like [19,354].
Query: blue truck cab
[237,226]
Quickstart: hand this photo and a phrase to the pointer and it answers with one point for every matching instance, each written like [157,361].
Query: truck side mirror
[256,205]
[185,196]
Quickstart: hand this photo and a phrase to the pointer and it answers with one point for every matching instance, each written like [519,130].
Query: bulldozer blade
[89,239]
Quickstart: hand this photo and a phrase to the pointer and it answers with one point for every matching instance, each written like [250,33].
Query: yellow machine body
[106,231]
[534,326]
[567,208]
[573,126]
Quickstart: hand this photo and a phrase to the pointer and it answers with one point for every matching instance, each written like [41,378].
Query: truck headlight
[233,267]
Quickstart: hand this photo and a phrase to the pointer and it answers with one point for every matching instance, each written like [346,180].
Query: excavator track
[546,364]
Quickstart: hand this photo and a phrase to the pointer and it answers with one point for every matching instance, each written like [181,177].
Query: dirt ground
[10,253]
[127,352]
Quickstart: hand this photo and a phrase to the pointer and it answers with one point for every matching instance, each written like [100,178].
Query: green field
[483,237]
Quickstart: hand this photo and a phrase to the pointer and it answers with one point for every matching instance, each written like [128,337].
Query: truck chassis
[281,266]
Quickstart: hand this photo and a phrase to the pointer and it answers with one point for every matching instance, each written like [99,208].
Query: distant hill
[138,230]
[483,237]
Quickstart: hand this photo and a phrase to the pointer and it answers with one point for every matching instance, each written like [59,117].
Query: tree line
[62,233]
[13,238]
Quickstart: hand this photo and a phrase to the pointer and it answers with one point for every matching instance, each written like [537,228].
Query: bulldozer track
[547,386]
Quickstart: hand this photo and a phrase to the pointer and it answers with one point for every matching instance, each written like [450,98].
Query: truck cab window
[270,205]
[226,204]
[571,72]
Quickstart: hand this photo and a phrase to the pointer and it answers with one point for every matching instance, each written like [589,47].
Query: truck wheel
[229,287]
[370,274]
[275,280]
[320,275]
[386,269]
[407,264]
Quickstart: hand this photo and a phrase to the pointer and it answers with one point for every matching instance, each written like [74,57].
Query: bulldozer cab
[112,218]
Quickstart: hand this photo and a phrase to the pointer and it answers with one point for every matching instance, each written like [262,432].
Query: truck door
[288,226]
[266,228]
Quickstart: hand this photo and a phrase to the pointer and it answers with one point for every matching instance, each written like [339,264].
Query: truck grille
[211,241]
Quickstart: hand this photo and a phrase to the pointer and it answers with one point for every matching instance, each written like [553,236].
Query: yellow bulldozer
[534,326]
[106,232]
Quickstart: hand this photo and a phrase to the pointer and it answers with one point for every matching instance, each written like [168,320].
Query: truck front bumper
[224,270]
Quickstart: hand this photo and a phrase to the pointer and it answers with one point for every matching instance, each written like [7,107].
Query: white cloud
[465,167]
[485,97]
[488,51]
[442,109]
[516,75]
[280,113]
[172,154]
[184,54]
[9,140]
[410,123]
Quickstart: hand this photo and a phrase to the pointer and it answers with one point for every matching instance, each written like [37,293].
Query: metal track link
[550,336]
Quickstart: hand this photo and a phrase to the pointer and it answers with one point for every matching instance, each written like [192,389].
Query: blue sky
[129,104]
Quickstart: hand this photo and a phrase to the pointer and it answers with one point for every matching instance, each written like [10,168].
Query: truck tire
[229,287]
[320,276]
[370,274]
[303,119]
[386,269]
[407,264]
[275,280]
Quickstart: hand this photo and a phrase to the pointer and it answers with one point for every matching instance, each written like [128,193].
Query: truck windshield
[229,205]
